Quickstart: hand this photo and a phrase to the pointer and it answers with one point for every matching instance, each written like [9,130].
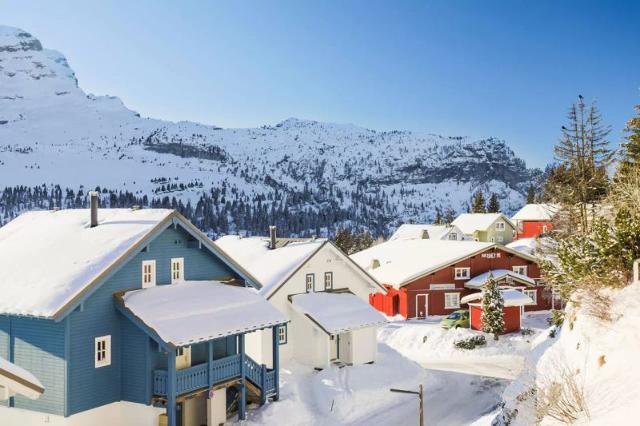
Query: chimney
[425,234]
[93,197]
[272,237]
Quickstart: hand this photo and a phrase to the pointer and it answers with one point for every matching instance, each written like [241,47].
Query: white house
[487,227]
[413,231]
[320,290]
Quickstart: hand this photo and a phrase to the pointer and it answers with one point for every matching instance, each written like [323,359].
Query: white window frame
[533,294]
[148,278]
[330,282]
[310,285]
[501,226]
[452,306]
[282,335]
[454,235]
[462,276]
[102,351]
[518,268]
[177,269]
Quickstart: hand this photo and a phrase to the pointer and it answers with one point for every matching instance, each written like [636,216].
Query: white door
[344,348]
[422,305]
[177,269]
[183,357]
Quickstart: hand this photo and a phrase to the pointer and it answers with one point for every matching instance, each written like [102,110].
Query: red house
[428,277]
[514,300]
[534,220]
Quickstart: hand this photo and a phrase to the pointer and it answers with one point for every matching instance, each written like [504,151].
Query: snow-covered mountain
[306,176]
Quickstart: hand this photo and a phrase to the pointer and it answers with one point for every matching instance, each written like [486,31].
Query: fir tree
[449,216]
[478,203]
[344,240]
[630,158]
[438,220]
[494,205]
[492,309]
[531,194]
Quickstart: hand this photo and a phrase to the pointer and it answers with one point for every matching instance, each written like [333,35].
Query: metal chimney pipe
[272,237]
[93,197]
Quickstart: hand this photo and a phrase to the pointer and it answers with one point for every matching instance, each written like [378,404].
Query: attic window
[453,236]
[500,226]
[148,273]
[463,273]
[102,351]
[328,280]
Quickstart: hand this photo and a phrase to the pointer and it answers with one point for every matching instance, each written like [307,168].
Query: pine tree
[531,194]
[438,220]
[494,205]
[478,203]
[449,216]
[630,158]
[492,309]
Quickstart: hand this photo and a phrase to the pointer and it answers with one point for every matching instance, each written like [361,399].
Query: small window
[148,273]
[451,300]
[311,279]
[522,270]
[282,335]
[328,280]
[102,351]
[463,273]
[453,236]
[500,226]
[533,294]
[177,269]
[544,229]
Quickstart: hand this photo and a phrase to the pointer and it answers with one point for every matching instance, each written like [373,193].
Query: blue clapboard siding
[92,387]
[134,363]
[4,344]
[39,348]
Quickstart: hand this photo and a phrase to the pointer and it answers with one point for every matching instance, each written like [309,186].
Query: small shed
[514,302]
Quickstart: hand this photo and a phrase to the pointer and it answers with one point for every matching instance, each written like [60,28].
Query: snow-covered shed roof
[472,222]
[16,380]
[400,261]
[524,245]
[49,259]
[541,212]
[189,312]
[511,297]
[498,274]
[270,267]
[337,312]
[411,231]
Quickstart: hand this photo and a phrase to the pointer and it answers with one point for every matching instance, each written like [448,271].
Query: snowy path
[501,367]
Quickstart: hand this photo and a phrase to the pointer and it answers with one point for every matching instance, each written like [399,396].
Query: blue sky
[507,69]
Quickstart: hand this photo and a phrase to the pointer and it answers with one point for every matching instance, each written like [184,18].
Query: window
[544,229]
[500,226]
[328,280]
[148,273]
[103,351]
[533,294]
[463,273]
[522,270]
[177,269]
[311,279]
[451,300]
[282,335]
[453,236]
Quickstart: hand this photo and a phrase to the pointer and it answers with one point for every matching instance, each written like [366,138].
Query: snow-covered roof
[48,257]
[511,297]
[16,380]
[400,261]
[269,267]
[472,222]
[498,274]
[411,231]
[542,212]
[195,311]
[524,245]
[337,312]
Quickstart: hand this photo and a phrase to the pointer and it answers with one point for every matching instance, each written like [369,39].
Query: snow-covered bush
[471,342]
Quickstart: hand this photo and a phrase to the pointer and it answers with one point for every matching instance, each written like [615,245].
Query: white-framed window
[522,269]
[102,351]
[453,236]
[177,269]
[148,273]
[328,280]
[463,273]
[500,226]
[533,294]
[310,282]
[500,238]
[544,229]
[451,300]
[282,335]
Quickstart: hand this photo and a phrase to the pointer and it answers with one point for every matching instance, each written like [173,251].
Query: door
[183,358]
[334,343]
[344,348]
[422,305]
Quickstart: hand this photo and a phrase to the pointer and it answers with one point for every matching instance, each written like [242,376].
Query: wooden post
[421,406]
[171,387]
[263,384]
[242,409]
[276,361]
[209,360]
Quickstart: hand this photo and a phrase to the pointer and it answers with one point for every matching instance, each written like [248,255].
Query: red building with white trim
[533,220]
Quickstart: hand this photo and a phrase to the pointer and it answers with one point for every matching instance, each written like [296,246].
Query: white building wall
[364,345]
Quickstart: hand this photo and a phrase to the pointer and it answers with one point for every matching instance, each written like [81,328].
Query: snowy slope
[52,133]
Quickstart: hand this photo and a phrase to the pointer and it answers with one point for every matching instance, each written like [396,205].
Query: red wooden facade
[511,317]
[533,228]
[426,295]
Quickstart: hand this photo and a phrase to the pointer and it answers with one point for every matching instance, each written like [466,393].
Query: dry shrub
[601,360]
[594,301]
[562,399]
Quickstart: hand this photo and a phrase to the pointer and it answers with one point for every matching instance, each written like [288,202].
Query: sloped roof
[337,312]
[270,267]
[480,280]
[471,222]
[542,212]
[524,245]
[401,261]
[410,231]
[16,380]
[511,297]
[196,311]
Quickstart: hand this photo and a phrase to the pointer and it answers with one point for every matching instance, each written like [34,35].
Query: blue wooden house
[128,316]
